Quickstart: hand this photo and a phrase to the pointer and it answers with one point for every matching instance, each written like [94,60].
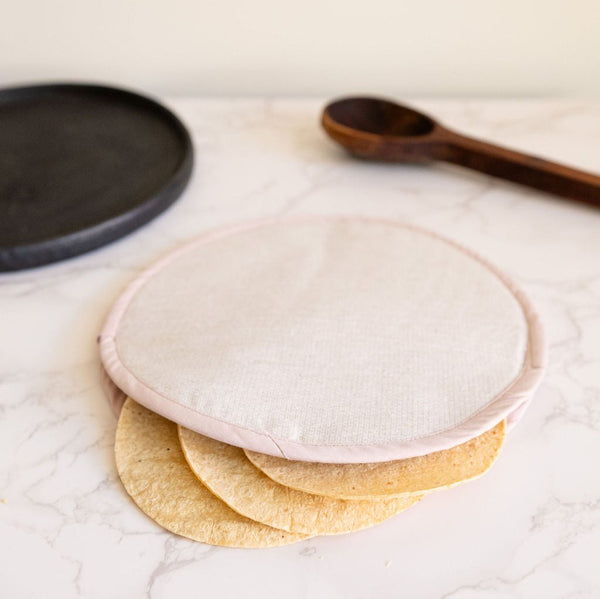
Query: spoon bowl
[378,116]
[379,129]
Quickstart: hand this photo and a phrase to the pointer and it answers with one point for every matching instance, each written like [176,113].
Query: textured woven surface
[323,332]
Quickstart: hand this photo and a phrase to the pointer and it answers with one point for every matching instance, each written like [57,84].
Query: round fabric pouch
[341,340]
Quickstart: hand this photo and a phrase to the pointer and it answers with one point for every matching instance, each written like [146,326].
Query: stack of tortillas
[312,376]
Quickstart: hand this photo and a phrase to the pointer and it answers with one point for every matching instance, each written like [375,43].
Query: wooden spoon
[379,129]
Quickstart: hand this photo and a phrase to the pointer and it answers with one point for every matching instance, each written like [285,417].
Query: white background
[325,47]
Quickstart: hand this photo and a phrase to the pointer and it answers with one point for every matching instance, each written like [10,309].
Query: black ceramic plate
[81,166]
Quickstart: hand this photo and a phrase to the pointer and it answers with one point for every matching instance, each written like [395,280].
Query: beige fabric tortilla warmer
[326,339]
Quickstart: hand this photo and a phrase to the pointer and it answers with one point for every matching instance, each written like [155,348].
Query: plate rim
[69,245]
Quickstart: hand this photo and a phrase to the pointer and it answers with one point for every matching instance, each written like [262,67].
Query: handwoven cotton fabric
[327,339]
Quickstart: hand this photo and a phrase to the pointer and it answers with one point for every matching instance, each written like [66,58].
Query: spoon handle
[520,168]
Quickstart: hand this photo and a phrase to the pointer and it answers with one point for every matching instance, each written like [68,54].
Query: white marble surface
[530,528]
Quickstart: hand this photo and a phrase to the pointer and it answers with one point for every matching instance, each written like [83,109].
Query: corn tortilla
[156,476]
[436,470]
[226,471]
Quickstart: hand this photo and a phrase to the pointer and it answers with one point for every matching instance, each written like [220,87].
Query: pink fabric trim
[116,397]
[509,405]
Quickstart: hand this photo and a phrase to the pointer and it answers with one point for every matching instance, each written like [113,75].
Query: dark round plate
[81,166]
